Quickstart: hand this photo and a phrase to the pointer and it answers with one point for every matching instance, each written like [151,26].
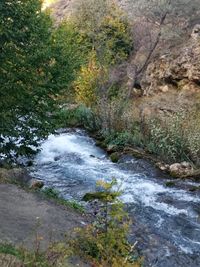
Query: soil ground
[23,214]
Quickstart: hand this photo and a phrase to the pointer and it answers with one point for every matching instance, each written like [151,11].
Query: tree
[31,75]
[107,32]
[108,36]
[87,82]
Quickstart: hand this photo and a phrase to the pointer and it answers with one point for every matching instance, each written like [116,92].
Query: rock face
[196,33]
[176,71]
[172,82]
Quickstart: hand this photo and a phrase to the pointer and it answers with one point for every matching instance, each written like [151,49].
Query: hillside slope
[169,86]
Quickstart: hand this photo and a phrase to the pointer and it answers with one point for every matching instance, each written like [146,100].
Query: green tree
[34,68]
[106,28]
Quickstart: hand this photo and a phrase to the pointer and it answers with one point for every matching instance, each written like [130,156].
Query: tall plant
[104,242]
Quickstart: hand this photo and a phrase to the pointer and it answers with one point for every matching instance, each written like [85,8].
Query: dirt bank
[21,212]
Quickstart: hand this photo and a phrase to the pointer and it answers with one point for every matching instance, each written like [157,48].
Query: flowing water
[166,221]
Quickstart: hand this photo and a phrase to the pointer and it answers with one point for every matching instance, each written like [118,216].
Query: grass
[55,256]
[51,193]
[10,249]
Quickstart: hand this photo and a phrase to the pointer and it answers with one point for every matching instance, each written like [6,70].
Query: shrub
[115,37]
[122,139]
[78,116]
[132,137]
[87,118]
[177,138]
[167,140]
[66,117]
[104,242]
[191,127]
[86,84]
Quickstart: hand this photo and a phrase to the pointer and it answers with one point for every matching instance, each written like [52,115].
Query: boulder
[181,170]
[162,166]
[35,184]
[111,148]
[115,157]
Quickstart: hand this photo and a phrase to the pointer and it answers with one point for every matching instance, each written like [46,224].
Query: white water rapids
[72,163]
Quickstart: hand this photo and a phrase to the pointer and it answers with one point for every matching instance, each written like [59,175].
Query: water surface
[166,221]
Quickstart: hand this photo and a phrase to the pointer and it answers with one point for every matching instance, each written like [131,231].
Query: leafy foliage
[37,62]
[78,116]
[104,242]
[109,42]
[86,84]
[125,138]
[177,138]
[108,32]
[167,142]
[114,38]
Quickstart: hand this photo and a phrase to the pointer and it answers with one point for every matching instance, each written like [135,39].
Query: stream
[165,220]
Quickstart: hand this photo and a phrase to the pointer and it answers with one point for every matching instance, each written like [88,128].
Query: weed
[104,242]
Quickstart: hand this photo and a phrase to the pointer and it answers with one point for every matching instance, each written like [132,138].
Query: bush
[104,242]
[121,139]
[177,138]
[87,118]
[167,140]
[192,134]
[66,117]
[78,116]
[86,84]
[115,37]
[125,138]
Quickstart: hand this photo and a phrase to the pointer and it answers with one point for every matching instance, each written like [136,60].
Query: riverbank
[34,224]
[177,170]
[127,142]
[24,213]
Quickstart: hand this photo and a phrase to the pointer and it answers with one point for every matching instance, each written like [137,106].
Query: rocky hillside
[184,11]
[169,84]
[172,81]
